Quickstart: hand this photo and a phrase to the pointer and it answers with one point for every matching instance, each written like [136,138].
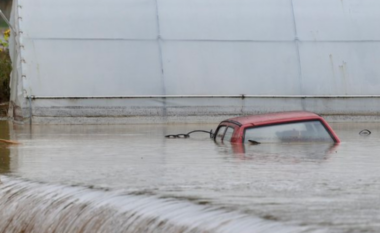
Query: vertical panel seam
[296,41]
[159,42]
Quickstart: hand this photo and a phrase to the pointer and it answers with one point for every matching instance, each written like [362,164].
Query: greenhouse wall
[139,61]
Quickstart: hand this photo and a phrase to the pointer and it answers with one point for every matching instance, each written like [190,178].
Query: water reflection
[4,150]
[294,152]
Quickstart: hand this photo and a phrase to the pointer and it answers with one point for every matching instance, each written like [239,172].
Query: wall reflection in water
[4,150]
[293,152]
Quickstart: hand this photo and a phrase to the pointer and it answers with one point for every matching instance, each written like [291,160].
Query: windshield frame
[332,136]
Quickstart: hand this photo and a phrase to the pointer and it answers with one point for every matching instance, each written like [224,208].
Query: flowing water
[132,179]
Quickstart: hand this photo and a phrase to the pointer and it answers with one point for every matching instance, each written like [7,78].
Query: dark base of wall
[188,110]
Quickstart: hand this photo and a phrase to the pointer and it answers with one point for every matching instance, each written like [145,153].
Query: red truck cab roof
[241,123]
[275,118]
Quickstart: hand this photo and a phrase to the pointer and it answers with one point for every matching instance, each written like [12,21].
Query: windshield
[307,131]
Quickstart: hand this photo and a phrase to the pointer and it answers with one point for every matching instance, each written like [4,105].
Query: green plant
[5,68]
[4,42]
[3,24]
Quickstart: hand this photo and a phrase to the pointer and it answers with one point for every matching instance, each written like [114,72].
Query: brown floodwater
[131,179]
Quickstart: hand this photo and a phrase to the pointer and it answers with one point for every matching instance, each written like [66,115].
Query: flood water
[132,179]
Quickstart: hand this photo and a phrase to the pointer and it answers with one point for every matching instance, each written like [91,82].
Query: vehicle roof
[273,118]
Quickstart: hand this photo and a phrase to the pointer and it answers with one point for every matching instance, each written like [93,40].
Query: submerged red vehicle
[276,127]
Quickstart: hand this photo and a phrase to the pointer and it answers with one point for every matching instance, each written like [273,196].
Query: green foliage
[3,24]
[4,42]
[5,68]
[5,71]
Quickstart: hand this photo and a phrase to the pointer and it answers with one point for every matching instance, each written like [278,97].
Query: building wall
[322,50]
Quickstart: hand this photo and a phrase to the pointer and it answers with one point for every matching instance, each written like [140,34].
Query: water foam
[36,207]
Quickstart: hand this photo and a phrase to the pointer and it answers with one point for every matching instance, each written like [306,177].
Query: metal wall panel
[113,19]
[230,68]
[92,68]
[337,20]
[226,19]
[340,68]
[68,48]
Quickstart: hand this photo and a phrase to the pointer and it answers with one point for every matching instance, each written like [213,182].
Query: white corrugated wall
[299,51]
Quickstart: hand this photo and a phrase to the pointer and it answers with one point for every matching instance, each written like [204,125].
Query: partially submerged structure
[127,61]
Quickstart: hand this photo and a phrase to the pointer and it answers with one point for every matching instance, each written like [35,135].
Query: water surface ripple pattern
[132,179]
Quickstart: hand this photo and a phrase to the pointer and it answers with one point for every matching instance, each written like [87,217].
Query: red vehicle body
[240,124]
